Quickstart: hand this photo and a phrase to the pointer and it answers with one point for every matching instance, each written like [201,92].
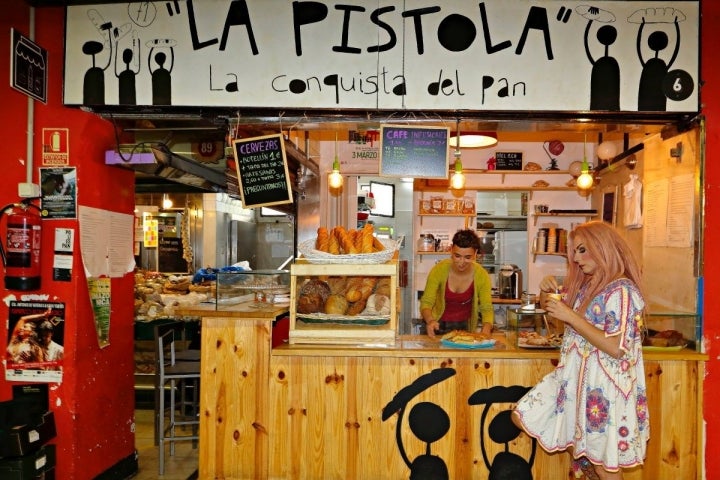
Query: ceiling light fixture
[166,202]
[585,180]
[457,181]
[335,179]
[472,139]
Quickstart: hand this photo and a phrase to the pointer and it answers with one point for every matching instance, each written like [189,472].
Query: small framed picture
[609,204]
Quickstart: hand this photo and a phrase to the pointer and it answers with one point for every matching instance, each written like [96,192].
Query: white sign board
[497,55]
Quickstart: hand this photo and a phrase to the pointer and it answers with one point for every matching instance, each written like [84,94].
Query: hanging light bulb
[166,202]
[335,179]
[457,181]
[585,180]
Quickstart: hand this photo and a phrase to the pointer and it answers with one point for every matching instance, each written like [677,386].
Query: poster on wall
[100,295]
[35,346]
[58,193]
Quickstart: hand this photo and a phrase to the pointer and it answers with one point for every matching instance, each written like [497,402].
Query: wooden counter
[316,412]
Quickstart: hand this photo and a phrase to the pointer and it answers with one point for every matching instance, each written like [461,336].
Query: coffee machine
[510,282]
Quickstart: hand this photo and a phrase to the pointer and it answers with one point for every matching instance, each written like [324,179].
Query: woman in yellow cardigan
[458,290]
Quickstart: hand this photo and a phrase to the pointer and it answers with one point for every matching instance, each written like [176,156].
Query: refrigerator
[511,247]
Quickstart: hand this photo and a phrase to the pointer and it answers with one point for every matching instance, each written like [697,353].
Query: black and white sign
[540,55]
[29,67]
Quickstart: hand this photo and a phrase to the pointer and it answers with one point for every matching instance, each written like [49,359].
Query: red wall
[94,404]
[710,95]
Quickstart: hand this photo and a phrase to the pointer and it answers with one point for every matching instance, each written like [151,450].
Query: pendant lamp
[585,180]
[457,181]
[335,179]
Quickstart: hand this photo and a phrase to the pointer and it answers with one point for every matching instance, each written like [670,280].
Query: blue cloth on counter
[210,274]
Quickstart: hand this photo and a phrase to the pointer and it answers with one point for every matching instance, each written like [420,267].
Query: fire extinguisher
[21,252]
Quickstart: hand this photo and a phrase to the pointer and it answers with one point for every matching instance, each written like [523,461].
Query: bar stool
[182,354]
[183,380]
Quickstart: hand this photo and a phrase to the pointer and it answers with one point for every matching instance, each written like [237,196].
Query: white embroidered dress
[593,402]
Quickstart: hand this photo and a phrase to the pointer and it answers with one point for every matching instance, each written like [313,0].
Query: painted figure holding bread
[594,404]
[457,293]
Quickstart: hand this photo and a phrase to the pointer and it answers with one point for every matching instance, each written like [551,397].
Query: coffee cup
[555,296]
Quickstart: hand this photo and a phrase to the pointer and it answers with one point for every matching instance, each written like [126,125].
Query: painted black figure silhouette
[94,80]
[126,76]
[427,421]
[605,76]
[161,79]
[651,96]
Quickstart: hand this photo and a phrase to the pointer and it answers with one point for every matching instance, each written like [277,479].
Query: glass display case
[673,331]
[267,286]
[353,304]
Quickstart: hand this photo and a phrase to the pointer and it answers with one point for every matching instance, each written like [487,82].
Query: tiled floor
[178,467]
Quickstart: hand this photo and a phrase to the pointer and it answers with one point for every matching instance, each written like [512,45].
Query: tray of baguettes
[340,245]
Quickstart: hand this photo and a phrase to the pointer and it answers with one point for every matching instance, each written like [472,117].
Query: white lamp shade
[606,150]
[575,168]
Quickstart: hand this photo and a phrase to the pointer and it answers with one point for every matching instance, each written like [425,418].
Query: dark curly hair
[466,239]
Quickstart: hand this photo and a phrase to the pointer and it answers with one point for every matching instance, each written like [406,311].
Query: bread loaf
[352,289]
[366,235]
[334,245]
[357,307]
[323,240]
[336,305]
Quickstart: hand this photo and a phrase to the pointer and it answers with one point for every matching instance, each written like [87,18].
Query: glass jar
[426,243]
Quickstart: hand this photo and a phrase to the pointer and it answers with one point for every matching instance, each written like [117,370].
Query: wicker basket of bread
[339,245]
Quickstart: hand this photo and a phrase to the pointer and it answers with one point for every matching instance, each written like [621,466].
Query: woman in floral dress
[594,404]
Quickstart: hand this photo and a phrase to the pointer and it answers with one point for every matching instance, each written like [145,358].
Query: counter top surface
[240,310]
[423,346]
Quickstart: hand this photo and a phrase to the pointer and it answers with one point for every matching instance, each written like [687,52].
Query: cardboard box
[40,464]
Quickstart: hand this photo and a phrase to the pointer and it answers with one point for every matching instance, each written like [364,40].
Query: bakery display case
[672,332]
[343,303]
[265,286]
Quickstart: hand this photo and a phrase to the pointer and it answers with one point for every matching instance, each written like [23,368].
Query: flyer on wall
[35,347]
[99,290]
[58,189]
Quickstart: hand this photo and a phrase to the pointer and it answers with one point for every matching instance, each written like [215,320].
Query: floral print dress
[593,402]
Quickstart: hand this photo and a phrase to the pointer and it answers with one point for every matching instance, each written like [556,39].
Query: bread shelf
[345,333]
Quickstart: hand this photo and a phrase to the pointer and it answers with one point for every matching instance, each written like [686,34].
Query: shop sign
[496,55]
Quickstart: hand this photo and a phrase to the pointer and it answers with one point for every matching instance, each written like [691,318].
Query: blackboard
[508,160]
[420,152]
[262,171]
[170,256]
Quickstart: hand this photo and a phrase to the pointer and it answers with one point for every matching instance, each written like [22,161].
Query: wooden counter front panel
[234,398]
[326,417]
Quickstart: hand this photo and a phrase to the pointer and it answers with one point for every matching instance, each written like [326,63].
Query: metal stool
[183,380]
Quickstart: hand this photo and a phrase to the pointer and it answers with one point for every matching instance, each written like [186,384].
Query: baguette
[345,241]
[377,245]
[323,240]
[334,245]
[366,236]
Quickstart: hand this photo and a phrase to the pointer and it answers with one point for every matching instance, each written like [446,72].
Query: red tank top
[458,305]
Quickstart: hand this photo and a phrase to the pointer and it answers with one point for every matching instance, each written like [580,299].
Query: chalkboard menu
[508,160]
[420,152]
[170,256]
[262,171]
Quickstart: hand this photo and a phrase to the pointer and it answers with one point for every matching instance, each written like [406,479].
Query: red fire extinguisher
[21,252]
